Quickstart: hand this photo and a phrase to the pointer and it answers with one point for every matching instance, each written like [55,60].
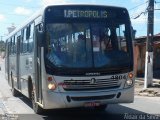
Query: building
[140,51]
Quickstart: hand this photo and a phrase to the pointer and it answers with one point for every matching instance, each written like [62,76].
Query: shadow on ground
[113,112]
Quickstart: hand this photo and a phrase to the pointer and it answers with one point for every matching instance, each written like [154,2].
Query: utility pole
[149,47]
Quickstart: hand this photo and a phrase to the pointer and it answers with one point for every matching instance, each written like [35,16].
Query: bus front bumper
[79,99]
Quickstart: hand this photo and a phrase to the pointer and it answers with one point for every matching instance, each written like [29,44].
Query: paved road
[143,108]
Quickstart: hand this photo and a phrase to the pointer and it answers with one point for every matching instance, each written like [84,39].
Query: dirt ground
[153,91]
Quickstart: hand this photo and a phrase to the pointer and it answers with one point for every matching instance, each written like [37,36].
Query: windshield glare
[81,45]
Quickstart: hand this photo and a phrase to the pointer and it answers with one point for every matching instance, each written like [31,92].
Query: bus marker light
[62,84]
[51,86]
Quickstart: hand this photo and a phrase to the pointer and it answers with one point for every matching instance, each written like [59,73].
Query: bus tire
[101,107]
[37,109]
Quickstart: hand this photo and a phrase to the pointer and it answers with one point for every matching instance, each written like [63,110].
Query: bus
[68,56]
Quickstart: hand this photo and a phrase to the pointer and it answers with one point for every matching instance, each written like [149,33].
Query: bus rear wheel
[37,109]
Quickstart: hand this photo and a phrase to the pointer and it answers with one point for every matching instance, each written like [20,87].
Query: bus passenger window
[25,41]
[30,43]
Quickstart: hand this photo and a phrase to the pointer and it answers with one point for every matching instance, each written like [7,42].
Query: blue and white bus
[69,56]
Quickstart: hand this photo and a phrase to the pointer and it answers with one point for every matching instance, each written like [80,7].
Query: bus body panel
[127,96]
[26,71]
[13,70]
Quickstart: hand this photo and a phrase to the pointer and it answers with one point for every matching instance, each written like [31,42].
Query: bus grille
[92,84]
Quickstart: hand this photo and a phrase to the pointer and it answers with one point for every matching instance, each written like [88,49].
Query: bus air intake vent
[93,97]
[90,84]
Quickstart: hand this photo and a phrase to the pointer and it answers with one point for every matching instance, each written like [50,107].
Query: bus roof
[29,20]
[98,5]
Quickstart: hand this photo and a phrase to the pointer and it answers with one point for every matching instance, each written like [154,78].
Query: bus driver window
[105,41]
[81,47]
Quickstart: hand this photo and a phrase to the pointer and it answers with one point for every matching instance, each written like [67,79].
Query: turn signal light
[50,79]
[130,75]
[51,86]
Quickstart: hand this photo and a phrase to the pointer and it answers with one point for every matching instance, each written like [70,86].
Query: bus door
[18,61]
[38,80]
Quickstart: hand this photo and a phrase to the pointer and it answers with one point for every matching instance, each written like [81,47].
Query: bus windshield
[87,45]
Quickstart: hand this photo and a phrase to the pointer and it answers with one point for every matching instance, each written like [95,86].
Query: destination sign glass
[85,14]
[82,13]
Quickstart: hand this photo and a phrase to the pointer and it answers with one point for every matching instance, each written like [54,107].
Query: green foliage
[2,46]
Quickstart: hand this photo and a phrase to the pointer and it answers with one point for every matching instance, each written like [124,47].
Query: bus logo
[88,74]
[93,81]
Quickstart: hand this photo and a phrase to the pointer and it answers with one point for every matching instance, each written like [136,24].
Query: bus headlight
[51,83]
[51,86]
[129,82]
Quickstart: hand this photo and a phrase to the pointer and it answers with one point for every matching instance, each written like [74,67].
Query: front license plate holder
[92,104]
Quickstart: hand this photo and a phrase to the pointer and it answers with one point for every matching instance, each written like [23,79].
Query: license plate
[92,104]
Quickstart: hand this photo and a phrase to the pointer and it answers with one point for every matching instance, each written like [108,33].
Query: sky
[15,12]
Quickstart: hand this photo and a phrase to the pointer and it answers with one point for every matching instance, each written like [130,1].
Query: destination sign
[85,14]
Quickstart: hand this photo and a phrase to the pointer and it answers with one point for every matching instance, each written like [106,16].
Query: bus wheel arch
[31,91]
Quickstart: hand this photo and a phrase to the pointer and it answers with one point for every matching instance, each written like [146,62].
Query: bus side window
[30,32]
[15,44]
[25,41]
[10,45]
[21,44]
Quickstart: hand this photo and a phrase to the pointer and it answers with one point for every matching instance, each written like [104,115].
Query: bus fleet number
[119,77]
